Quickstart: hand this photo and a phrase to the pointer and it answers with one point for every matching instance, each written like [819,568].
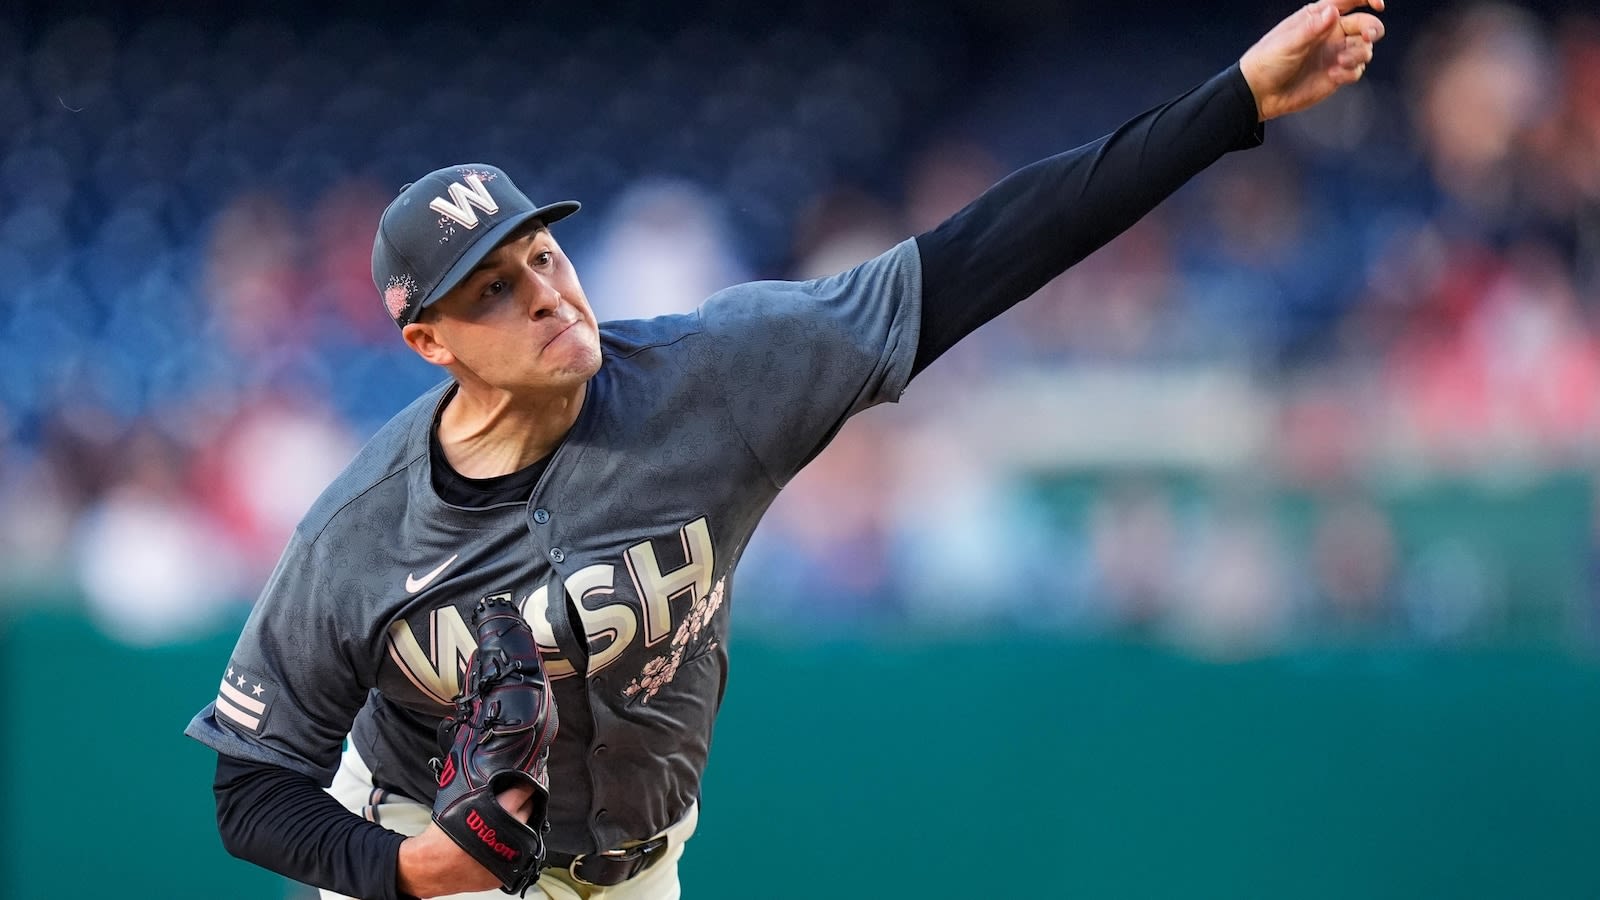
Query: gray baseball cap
[441,226]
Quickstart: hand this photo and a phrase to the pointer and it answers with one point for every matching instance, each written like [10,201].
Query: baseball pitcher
[492,653]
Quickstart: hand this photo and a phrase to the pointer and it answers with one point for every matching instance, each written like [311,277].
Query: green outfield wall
[975,769]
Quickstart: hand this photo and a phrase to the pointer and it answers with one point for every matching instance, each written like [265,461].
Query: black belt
[609,867]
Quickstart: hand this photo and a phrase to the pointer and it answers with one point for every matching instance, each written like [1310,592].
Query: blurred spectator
[841,229]
[1563,154]
[152,571]
[1353,557]
[1507,372]
[943,178]
[1235,597]
[1120,305]
[1134,542]
[967,551]
[1323,425]
[255,281]
[264,470]
[339,270]
[664,250]
[34,531]
[1480,77]
[821,556]
[1452,593]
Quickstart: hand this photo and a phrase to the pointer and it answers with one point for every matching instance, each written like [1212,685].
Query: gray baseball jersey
[692,425]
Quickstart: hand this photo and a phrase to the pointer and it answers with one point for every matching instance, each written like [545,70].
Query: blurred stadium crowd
[1345,386]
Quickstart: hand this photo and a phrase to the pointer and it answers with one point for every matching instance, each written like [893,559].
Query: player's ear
[421,338]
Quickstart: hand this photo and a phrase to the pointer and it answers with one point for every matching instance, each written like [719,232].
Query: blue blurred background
[1312,445]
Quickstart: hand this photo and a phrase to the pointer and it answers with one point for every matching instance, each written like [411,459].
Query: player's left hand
[1311,54]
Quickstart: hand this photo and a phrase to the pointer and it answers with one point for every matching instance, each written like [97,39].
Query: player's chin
[573,354]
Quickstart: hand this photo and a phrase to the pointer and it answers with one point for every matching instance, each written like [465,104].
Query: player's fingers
[1356,52]
[1313,21]
[1343,75]
[1345,6]
[1365,25]
[1309,28]
[1350,61]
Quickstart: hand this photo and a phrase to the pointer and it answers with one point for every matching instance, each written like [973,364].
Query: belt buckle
[572,867]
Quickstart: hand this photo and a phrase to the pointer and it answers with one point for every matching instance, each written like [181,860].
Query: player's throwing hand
[1301,62]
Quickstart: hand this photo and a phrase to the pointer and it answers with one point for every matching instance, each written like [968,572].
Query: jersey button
[600,816]
[556,554]
[599,749]
[541,515]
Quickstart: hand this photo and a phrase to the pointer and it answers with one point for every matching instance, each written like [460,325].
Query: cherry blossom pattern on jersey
[659,672]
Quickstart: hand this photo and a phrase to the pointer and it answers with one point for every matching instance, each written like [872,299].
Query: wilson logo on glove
[486,834]
[448,773]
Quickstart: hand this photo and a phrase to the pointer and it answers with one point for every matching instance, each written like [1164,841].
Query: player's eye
[542,258]
[495,288]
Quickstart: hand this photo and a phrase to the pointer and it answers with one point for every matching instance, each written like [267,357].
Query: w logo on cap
[462,200]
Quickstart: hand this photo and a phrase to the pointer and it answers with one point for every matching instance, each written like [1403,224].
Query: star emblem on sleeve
[243,700]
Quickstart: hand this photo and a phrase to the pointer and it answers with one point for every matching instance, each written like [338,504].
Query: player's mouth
[557,336]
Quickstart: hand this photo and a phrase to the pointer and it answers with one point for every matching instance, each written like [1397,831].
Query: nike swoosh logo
[414,584]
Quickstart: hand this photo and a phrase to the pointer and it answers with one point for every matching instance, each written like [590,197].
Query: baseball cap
[441,226]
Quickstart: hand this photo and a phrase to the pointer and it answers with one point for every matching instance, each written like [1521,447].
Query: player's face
[519,322]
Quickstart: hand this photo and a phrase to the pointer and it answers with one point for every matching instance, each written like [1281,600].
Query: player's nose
[544,299]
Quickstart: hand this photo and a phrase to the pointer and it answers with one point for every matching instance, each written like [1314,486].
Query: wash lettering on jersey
[607,616]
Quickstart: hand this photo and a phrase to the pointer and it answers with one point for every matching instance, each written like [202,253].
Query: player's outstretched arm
[1306,57]
[1042,219]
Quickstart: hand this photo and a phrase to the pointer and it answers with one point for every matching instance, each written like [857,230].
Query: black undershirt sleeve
[285,822]
[1040,220]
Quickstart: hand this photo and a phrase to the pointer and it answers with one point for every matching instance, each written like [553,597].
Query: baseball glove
[499,736]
